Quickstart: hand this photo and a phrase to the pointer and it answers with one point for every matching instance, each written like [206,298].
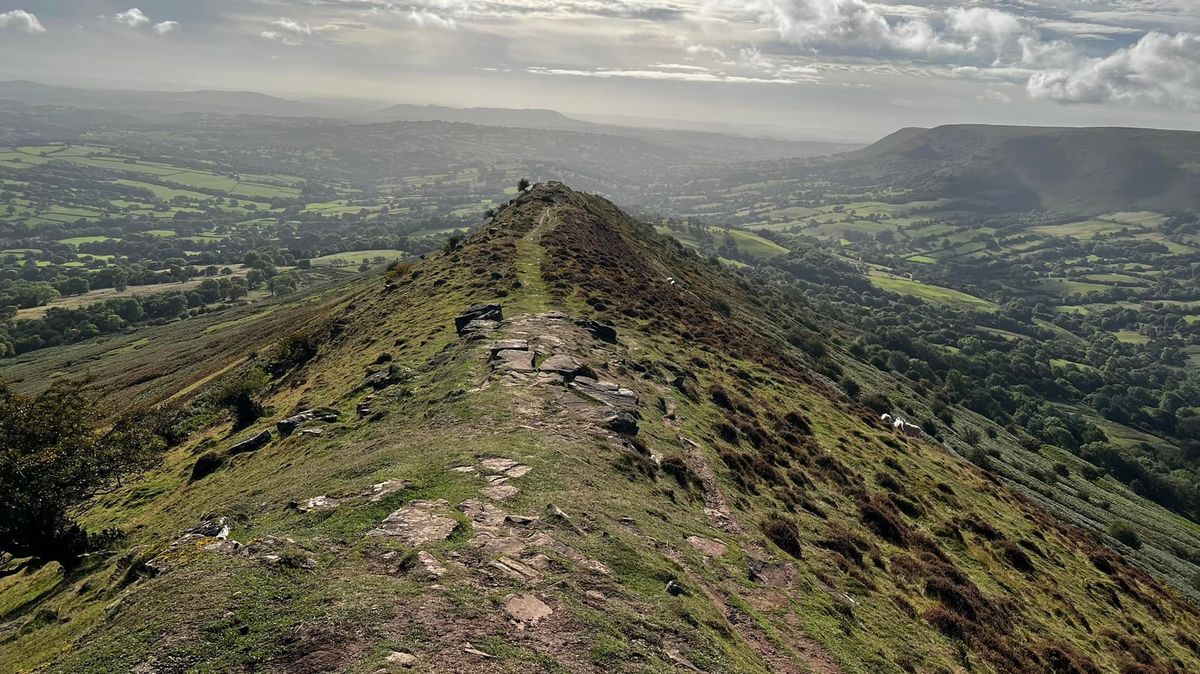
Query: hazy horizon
[837,69]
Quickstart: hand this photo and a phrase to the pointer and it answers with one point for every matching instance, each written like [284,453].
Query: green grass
[929,293]
[356,257]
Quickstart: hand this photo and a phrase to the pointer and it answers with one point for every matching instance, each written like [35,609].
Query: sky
[830,69]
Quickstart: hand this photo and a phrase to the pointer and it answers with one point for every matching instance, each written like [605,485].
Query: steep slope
[1085,170]
[623,467]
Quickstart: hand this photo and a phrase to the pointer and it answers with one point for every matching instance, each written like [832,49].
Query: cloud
[136,18]
[674,74]
[298,28]
[275,36]
[132,17]
[19,19]
[983,33]
[1159,69]
[427,19]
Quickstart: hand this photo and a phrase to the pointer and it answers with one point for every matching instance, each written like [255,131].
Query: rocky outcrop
[486,315]
[253,444]
[289,425]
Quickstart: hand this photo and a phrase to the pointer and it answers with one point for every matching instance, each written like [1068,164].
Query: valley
[657,446]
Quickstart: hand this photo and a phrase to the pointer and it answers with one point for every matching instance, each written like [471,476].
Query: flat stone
[497,479]
[607,393]
[522,520]
[561,364]
[519,470]
[500,545]
[515,569]
[464,469]
[400,658]
[318,504]
[509,345]
[527,609]
[707,546]
[417,523]
[514,361]
[498,465]
[500,492]
[312,431]
[380,491]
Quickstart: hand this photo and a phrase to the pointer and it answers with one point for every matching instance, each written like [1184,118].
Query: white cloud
[1159,69]
[132,17]
[675,74]
[19,19]
[282,39]
[427,19]
[164,27]
[299,28]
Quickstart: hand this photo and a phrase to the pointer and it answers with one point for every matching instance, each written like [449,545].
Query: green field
[929,293]
[356,257]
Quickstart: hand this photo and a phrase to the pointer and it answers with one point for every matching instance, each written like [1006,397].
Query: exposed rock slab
[479,312]
[418,523]
[707,546]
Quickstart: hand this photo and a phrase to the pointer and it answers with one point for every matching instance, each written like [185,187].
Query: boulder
[479,312]
[601,331]
[383,377]
[623,423]
[253,444]
[290,424]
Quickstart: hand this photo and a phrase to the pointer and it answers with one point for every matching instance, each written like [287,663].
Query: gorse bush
[55,454]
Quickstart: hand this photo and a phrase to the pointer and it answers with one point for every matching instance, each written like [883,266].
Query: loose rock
[527,609]
[479,312]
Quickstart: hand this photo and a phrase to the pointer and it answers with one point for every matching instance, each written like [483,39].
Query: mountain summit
[568,444]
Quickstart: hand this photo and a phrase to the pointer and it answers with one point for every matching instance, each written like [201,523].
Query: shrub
[56,452]
[237,396]
[784,533]
[206,465]
[1126,534]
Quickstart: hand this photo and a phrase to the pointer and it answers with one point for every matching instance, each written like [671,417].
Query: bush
[237,396]
[56,452]
[784,533]
[206,465]
[1126,534]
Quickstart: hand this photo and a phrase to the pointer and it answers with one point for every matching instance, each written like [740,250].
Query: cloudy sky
[849,69]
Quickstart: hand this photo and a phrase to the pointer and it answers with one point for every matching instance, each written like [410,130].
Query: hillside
[615,461]
[155,102]
[1084,170]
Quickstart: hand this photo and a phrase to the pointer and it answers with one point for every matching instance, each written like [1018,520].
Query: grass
[929,293]
[356,257]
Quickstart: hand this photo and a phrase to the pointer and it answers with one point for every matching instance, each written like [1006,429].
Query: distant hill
[1088,170]
[513,117]
[162,102]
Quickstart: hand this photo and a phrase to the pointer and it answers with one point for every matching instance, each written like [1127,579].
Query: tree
[56,452]
[523,185]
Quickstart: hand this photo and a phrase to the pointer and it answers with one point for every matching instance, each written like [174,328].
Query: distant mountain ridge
[1088,170]
[163,102]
